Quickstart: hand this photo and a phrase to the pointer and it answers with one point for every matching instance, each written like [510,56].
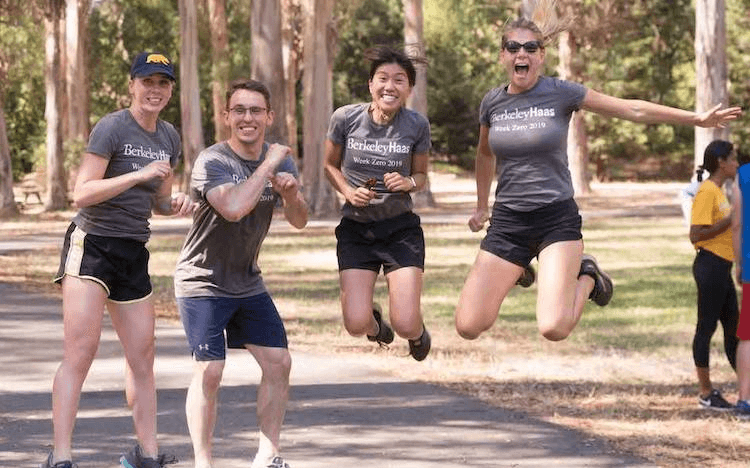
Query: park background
[65,64]
[626,373]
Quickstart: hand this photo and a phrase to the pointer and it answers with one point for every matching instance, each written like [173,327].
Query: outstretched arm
[648,112]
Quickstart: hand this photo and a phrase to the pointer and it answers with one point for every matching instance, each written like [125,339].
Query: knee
[278,366]
[467,330]
[554,331]
[80,354]
[211,374]
[359,325]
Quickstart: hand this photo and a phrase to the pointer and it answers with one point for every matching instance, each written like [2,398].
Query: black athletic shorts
[118,264]
[392,243]
[519,236]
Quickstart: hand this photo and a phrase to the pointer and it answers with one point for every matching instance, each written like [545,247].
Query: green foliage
[22,88]
[369,23]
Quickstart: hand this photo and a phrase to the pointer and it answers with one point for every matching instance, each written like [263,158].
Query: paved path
[341,414]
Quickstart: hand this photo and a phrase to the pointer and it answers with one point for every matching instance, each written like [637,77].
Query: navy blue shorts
[118,264]
[392,243]
[519,236]
[250,320]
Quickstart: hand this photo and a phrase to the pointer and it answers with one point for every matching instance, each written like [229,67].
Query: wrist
[413,183]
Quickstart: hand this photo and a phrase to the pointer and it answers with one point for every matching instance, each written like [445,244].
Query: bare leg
[562,294]
[201,408]
[134,323]
[356,301]
[489,281]
[704,381]
[83,310]
[743,369]
[273,395]
[405,291]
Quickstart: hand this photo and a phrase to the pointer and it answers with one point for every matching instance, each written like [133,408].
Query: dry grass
[625,374]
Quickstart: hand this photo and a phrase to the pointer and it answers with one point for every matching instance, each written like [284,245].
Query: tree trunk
[267,64]
[710,68]
[77,81]
[577,149]
[292,55]
[190,105]
[417,101]
[219,65]
[56,196]
[319,43]
[8,206]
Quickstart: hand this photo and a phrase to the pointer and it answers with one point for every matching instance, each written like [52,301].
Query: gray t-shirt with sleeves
[370,150]
[220,258]
[528,134]
[128,147]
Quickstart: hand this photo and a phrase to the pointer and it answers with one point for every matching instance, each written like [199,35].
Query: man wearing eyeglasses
[220,293]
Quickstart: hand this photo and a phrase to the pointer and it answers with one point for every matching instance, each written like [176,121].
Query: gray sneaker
[278,462]
[63,464]
[385,332]
[603,287]
[135,459]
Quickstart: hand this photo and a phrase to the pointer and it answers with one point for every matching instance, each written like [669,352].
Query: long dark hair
[715,151]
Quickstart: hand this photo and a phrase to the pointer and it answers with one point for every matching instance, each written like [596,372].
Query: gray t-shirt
[528,134]
[371,150]
[220,258]
[129,147]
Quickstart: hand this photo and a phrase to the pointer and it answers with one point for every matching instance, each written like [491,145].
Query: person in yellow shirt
[717,296]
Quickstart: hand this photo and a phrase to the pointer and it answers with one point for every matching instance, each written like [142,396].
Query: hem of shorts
[96,280]
[132,301]
[244,346]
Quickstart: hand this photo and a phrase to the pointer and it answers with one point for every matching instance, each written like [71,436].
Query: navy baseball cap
[148,63]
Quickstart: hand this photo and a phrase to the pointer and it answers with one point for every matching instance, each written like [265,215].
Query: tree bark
[219,65]
[8,206]
[417,101]
[577,148]
[267,64]
[56,195]
[190,105]
[710,68]
[319,44]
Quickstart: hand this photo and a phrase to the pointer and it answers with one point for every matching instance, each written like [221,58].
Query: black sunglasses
[530,47]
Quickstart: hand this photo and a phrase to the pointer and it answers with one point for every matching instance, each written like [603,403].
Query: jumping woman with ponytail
[711,235]
[523,131]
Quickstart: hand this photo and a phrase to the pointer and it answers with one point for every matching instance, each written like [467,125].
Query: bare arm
[648,112]
[91,187]
[702,232]
[484,173]
[295,207]
[359,196]
[235,201]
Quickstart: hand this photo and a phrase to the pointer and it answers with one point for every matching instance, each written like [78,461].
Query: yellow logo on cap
[157,58]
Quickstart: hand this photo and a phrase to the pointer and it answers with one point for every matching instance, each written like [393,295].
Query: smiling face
[523,67]
[389,88]
[247,117]
[150,93]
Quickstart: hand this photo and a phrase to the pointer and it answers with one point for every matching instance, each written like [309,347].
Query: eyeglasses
[530,47]
[240,111]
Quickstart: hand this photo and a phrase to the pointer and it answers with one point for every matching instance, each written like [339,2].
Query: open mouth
[521,68]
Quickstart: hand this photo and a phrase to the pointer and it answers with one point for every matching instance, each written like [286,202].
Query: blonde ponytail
[543,19]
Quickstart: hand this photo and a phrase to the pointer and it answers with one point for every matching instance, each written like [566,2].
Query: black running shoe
[715,401]
[135,459]
[385,332]
[420,348]
[63,464]
[527,277]
[603,288]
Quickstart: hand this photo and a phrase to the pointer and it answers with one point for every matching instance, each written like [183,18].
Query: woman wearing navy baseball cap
[125,174]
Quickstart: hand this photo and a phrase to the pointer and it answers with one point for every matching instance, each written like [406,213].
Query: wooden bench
[30,186]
